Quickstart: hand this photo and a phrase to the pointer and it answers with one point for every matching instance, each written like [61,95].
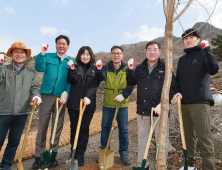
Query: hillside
[138,51]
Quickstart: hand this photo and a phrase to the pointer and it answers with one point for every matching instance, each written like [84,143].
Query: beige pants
[46,109]
[143,124]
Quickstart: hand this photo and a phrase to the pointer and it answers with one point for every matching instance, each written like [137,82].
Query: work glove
[158,109]
[189,168]
[119,98]
[71,64]
[131,63]
[99,64]
[87,101]
[44,48]
[204,43]
[176,97]
[2,57]
[39,100]
[63,98]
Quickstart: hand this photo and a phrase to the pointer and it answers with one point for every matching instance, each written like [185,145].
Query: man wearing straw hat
[17,82]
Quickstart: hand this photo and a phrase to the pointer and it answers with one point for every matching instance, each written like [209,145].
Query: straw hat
[18,45]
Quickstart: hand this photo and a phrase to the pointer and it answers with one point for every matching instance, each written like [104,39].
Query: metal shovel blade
[106,158]
[47,159]
[72,164]
[142,166]
[20,166]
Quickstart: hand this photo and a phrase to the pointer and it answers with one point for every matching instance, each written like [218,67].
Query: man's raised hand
[204,43]
[131,63]
[44,48]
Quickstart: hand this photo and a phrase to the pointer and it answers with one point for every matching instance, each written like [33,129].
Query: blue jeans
[122,120]
[15,125]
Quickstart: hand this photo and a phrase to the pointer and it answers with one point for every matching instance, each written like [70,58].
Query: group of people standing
[72,80]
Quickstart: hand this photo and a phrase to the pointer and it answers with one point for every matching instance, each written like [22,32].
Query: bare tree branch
[185,8]
[177,6]
[164,8]
[208,15]
[201,25]
[180,23]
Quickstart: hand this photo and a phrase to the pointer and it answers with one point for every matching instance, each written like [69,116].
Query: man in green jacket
[17,82]
[54,85]
[115,89]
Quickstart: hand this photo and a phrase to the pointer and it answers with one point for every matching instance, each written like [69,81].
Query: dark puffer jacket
[149,86]
[84,83]
[193,75]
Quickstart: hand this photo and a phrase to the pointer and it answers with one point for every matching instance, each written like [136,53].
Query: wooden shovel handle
[114,120]
[27,130]
[81,111]
[181,123]
[152,126]
[58,110]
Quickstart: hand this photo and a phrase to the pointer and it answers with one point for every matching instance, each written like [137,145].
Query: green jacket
[115,84]
[15,91]
[55,73]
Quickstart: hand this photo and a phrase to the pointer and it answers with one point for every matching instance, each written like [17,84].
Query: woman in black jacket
[84,83]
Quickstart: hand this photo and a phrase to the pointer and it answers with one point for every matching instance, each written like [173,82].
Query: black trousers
[84,129]
[15,125]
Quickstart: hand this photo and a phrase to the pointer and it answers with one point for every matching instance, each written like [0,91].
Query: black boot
[80,159]
[54,163]
[36,163]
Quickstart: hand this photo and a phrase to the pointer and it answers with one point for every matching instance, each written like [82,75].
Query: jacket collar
[15,66]
[123,64]
[79,65]
[144,63]
[67,57]
[193,49]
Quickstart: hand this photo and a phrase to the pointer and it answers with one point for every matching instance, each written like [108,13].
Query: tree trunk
[166,86]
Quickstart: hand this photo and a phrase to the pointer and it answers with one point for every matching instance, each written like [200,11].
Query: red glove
[44,48]
[2,58]
[70,63]
[131,63]
[204,43]
[176,97]
[99,64]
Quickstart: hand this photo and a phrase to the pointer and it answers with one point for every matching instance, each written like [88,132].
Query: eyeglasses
[118,54]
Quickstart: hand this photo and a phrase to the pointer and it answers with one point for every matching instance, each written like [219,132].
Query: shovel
[148,141]
[49,156]
[19,165]
[72,164]
[182,133]
[106,156]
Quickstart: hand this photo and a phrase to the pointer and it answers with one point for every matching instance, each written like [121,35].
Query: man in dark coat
[149,77]
[193,76]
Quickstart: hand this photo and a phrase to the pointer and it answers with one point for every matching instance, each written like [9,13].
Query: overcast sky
[99,24]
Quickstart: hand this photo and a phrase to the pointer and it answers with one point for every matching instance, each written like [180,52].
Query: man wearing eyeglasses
[115,89]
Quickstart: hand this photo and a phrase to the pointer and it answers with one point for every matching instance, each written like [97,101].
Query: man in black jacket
[193,76]
[149,77]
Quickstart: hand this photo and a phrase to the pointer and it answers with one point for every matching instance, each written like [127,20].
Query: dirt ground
[175,157]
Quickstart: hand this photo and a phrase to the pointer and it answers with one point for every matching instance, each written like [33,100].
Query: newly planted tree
[170,8]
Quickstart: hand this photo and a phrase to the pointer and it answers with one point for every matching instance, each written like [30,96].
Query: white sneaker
[189,168]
